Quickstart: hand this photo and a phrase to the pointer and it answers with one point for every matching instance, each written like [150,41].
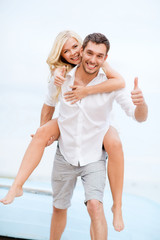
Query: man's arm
[141,111]
[46,114]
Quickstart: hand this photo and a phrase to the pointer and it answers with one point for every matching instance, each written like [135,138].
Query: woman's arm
[46,114]
[115,82]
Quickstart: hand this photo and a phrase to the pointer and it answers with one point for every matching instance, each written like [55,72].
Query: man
[82,127]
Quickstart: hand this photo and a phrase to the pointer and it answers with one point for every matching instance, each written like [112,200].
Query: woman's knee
[41,133]
[112,141]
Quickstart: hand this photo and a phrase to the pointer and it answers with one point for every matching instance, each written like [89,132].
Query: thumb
[64,70]
[135,83]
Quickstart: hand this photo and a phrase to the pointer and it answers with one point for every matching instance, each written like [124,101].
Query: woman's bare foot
[117,218]
[12,193]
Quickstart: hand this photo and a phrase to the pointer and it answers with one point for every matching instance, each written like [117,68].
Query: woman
[66,52]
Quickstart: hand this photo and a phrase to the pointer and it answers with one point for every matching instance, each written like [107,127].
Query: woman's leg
[32,158]
[113,147]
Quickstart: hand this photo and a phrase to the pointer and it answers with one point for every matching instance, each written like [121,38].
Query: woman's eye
[65,51]
[75,46]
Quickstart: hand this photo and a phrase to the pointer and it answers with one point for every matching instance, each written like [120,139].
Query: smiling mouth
[91,67]
[75,58]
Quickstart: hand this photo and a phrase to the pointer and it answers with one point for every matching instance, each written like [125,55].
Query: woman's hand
[77,93]
[59,74]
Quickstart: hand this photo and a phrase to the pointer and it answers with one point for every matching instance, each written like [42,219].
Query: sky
[28,29]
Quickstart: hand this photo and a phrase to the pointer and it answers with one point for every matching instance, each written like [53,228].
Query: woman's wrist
[88,90]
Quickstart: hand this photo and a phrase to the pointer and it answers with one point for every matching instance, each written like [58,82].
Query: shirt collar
[101,72]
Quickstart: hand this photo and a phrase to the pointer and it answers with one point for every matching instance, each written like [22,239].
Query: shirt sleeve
[123,98]
[51,95]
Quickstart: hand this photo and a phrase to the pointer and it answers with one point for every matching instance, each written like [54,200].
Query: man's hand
[51,140]
[136,94]
[59,76]
[77,93]
[141,111]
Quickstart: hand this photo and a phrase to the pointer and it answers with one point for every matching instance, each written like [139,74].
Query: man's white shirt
[83,124]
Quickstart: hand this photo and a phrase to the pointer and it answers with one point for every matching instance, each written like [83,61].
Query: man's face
[93,57]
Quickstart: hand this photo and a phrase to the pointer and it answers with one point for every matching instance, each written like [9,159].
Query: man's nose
[93,59]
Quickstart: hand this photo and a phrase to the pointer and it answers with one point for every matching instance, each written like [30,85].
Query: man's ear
[105,57]
[81,51]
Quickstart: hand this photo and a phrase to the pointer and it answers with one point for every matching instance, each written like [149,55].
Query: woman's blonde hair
[54,59]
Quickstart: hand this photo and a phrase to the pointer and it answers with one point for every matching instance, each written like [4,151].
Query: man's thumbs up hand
[136,94]
[136,83]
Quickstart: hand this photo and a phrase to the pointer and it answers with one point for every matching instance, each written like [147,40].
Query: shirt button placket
[79,142]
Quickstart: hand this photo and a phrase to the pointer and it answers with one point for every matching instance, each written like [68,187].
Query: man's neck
[82,77]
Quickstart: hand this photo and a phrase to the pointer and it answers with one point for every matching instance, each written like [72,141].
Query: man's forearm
[46,114]
[141,112]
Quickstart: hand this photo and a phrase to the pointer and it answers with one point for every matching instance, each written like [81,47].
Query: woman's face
[71,51]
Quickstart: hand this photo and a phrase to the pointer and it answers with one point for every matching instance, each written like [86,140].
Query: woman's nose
[72,51]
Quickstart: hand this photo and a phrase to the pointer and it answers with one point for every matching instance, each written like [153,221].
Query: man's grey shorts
[64,178]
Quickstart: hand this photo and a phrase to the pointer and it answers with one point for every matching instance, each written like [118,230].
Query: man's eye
[75,46]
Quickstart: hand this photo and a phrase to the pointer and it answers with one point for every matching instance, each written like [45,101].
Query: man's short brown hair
[97,38]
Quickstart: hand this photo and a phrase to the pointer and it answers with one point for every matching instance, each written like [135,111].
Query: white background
[28,29]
